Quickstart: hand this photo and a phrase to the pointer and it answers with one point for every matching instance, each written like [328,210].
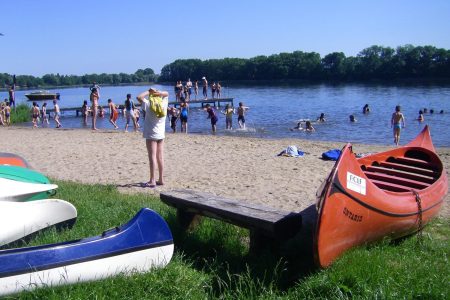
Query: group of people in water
[40,115]
[189,89]
[128,109]
[397,121]
[132,113]
[182,113]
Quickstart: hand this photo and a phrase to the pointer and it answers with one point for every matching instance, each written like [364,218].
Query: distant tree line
[373,63]
[146,75]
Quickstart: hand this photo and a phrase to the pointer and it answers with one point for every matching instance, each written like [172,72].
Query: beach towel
[332,154]
[156,106]
[291,151]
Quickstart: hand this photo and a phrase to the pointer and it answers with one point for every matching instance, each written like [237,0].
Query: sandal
[148,185]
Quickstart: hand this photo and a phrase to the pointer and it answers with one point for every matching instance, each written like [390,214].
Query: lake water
[276,109]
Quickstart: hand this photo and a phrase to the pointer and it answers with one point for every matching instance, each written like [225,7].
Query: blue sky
[80,37]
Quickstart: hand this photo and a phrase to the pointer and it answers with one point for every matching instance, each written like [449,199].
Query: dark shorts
[184,118]
[173,122]
[241,119]
[214,120]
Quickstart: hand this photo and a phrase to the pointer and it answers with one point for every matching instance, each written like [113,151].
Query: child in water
[7,111]
[101,112]
[213,116]
[241,114]
[298,127]
[420,118]
[35,114]
[113,113]
[228,112]
[352,118]
[84,112]
[321,118]
[44,114]
[174,113]
[309,127]
[184,111]
[397,121]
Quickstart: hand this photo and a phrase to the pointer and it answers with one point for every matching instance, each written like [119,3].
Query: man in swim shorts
[397,121]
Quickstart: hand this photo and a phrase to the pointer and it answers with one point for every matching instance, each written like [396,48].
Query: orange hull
[366,199]
[13,160]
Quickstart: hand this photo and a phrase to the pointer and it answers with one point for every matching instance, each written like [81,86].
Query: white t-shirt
[154,128]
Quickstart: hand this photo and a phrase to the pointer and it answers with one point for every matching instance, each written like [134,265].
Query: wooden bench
[268,226]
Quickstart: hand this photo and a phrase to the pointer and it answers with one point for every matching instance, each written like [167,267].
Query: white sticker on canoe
[356,183]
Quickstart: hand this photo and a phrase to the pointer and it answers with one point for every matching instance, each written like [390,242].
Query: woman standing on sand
[154,132]
[94,107]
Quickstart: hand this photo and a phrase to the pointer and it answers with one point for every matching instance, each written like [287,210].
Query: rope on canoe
[419,210]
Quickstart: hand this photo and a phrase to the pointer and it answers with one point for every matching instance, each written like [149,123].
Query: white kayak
[12,190]
[21,219]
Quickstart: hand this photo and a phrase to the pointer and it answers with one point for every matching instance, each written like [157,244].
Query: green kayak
[26,175]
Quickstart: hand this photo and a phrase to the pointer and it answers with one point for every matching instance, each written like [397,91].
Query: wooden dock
[212,101]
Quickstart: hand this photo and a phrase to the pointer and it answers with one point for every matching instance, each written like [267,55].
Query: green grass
[21,114]
[213,260]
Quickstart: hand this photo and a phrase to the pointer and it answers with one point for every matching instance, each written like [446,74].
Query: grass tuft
[21,114]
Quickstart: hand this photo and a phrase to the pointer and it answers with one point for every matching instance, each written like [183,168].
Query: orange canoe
[393,193]
[13,160]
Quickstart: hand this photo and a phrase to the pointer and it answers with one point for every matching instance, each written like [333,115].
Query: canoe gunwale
[338,186]
[85,259]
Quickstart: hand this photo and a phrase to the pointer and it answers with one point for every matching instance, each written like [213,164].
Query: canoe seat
[408,183]
[414,162]
[400,173]
[268,226]
[391,186]
[412,169]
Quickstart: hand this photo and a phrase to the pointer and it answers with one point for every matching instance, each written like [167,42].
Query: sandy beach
[247,169]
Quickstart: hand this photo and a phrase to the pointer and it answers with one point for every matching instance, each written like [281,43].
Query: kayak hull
[142,244]
[12,190]
[19,220]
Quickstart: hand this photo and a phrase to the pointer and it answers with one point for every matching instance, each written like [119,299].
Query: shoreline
[244,168]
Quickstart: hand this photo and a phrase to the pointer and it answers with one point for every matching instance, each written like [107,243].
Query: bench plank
[266,220]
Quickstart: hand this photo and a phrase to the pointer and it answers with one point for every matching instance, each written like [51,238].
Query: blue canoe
[145,242]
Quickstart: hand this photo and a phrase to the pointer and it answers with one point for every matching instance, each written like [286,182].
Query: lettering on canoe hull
[352,216]
[356,183]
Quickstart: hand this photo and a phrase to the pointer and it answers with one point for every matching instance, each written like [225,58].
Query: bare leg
[151,150]
[160,160]
[94,118]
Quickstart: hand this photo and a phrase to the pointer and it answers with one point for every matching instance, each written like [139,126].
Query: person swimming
[309,127]
[352,118]
[298,127]
[420,118]
[366,109]
[321,118]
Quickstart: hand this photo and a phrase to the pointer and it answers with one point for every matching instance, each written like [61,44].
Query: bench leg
[187,220]
[259,241]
